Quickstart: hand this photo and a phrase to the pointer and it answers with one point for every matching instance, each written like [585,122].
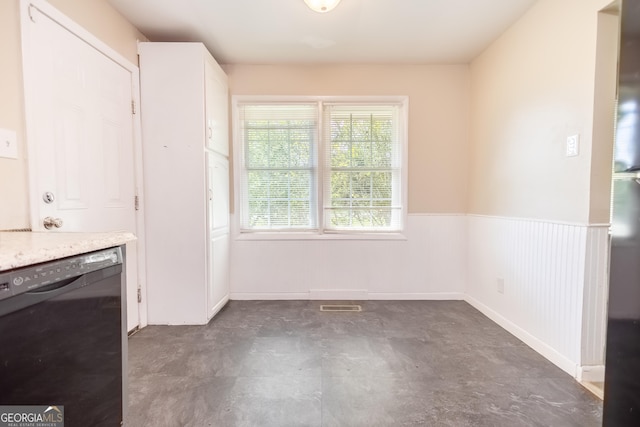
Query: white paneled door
[81,138]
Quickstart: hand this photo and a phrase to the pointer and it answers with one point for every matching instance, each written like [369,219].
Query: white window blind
[362,171]
[278,178]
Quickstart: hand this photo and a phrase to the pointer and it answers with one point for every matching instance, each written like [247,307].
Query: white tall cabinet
[184,112]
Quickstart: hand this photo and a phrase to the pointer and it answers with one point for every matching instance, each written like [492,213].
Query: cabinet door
[218,291]
[217,108]
[218,227]
[218,188]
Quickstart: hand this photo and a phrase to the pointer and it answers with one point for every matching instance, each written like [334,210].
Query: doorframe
[30,100]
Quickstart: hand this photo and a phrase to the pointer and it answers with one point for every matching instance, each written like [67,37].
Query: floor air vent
[340,307]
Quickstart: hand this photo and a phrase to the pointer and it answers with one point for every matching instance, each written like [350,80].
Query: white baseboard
[545,350]
[270,296]
[338,294]
[434,296]
[348,295]
[594,374]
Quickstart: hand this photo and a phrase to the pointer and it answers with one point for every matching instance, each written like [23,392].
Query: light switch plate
[8,144]
[573,145]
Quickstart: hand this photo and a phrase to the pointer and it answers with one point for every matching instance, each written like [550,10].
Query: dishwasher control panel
[25,279]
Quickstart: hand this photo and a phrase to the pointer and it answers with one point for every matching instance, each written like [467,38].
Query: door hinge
[136,203]
[139,295]
[133,107]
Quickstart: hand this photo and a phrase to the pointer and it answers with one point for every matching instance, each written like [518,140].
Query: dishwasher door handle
[36,296]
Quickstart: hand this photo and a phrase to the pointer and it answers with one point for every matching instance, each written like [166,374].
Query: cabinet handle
[210,194]
[209,132]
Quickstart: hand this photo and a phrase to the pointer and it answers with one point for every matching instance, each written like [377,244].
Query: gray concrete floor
[409,363]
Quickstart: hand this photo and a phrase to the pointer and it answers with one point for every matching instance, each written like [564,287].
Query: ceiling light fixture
[322,6]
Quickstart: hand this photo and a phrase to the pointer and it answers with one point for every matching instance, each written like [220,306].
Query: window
[279,169]
[324,166]
[362,168]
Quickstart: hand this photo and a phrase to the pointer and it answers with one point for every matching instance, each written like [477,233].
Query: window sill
[265,236]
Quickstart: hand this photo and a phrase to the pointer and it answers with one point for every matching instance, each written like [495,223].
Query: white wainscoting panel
[429,264]
[554,279]
[596,293]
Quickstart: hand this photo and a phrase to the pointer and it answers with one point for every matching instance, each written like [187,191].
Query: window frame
[320,233]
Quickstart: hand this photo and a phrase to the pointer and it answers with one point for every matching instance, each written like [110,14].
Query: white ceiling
[357,31]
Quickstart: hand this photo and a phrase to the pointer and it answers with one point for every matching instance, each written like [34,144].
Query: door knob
[48,197]
[50,223]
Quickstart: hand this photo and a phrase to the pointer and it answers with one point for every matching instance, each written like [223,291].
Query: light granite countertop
[19,249]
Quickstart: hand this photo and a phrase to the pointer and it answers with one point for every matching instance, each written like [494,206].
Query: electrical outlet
[8,144]
[500,285]
[573,145]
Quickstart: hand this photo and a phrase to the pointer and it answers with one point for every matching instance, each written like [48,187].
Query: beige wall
[98,17]
[606,82]
[532,89]
[438,116]
[14,207]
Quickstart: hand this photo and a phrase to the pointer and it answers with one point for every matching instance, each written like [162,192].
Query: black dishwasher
[62,339]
